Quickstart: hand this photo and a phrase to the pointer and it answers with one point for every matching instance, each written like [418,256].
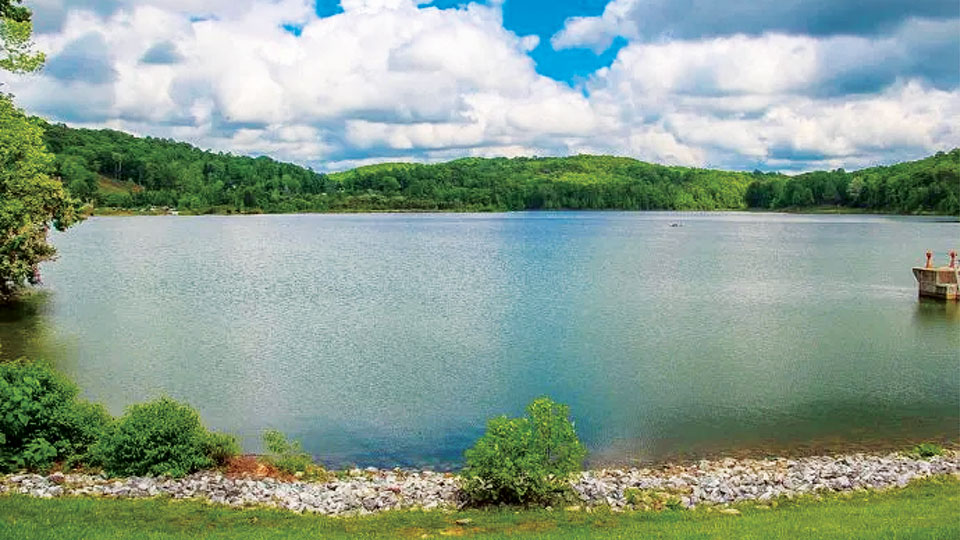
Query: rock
[372,490]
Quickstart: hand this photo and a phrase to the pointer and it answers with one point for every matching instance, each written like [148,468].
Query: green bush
[221,447]
[162,437]
[41,420]
[524,460]
[289,457]
[927,450]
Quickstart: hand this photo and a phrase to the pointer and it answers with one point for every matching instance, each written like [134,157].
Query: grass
[108,186]
[928,509]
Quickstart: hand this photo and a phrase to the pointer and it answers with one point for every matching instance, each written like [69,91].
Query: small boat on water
[941,283]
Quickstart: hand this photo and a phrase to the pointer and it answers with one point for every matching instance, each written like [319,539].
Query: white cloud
[386,80]
[597,33]
[666,20]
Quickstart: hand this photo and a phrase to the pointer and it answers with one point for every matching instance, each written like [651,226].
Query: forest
[115,170]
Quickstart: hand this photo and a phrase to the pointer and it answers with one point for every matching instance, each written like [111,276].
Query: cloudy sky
[785,85]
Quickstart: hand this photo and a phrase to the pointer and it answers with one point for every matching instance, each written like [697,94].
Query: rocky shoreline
[364,491]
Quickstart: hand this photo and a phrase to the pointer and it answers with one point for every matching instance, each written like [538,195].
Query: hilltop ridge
[117,170]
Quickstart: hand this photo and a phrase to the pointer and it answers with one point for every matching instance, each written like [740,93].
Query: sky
[785,85]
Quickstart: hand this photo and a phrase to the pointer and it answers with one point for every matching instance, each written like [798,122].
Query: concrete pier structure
[941,283]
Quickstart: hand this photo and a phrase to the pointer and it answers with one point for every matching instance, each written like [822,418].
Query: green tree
[30,200]
[16,47]
[802,196]
[77,176]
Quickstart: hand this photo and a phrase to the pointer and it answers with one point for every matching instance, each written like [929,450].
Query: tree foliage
[159,172]
[41,419]
[161,437]
[115,169]
[30,200]
[930,185]
[14,10]
[16,47]
[524,460]
[42,422]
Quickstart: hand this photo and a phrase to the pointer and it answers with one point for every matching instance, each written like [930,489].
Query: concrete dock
[940,283]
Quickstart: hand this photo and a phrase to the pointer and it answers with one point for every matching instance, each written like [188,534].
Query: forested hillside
[927,185]
[117,170]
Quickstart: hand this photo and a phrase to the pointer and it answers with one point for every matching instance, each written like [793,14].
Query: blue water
[390,339]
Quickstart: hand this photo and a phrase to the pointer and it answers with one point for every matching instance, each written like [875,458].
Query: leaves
[30,200]
[524,460]
[41,421]
[161,437]
[16,48]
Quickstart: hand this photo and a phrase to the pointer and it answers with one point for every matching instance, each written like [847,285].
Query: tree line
[114,169]
[930,185]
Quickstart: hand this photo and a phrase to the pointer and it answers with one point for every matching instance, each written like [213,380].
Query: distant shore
[813,210]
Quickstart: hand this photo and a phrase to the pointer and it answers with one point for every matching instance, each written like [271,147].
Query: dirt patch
[533,526]
[250,466]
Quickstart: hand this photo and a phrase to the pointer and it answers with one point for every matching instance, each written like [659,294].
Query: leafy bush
[927,450]
[221,447]
[162,437]
[41,420]
[289,457]
[524,460]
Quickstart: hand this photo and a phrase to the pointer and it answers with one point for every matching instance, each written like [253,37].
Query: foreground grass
[926,509]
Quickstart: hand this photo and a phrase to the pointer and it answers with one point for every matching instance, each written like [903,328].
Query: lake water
[389,339]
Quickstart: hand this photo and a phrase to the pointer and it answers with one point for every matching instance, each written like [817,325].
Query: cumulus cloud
[391,80]
[773,64]
[653,20]
[776,98]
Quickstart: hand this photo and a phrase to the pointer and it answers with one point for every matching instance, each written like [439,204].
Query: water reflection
[25,328]
[936,312]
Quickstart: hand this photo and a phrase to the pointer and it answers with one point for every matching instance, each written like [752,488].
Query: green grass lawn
[926,509]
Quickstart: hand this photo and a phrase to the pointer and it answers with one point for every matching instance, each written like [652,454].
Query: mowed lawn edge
[927,509]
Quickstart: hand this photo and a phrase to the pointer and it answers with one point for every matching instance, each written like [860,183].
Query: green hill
[117,170]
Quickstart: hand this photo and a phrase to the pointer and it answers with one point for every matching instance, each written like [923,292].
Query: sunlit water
[390,339]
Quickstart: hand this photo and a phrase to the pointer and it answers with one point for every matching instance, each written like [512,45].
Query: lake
[389,339]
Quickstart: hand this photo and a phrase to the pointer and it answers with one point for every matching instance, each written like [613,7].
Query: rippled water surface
[390,339]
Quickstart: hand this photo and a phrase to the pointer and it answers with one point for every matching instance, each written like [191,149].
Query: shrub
[162,437]
[41,420]
[524,460]
[927,450]
[289,457]
[221,447]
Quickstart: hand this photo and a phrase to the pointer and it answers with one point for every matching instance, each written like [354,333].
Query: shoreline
[367,491]
[813,210]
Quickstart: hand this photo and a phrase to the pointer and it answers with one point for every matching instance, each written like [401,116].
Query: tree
[16,49]
[802,196]
[14,12]
[30,200]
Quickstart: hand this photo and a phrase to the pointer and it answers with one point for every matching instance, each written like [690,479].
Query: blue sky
[785,85]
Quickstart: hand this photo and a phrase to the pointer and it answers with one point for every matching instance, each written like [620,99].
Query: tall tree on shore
[31,201]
